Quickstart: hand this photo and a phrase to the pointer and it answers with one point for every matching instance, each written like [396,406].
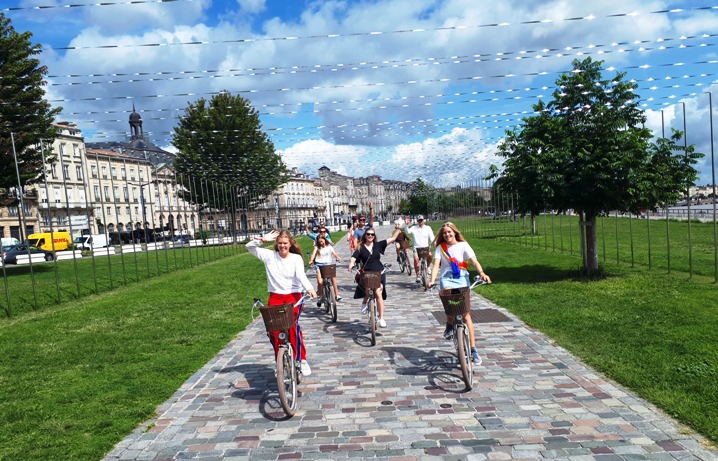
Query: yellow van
[45,240]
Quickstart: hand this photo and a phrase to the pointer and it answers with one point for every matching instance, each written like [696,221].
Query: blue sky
[398,88]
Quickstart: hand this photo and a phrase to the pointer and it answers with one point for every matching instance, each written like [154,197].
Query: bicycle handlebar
[258,302]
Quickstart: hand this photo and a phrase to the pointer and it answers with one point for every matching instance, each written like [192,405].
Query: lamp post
[276,208]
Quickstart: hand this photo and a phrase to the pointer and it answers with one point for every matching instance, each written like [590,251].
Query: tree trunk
[588,243]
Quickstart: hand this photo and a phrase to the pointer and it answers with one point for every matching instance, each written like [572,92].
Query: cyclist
[402,237]
[285,279]
[369,253]
[451,260]
[324,255]
[350,236]
[321,230]
[362,226]
[423,236]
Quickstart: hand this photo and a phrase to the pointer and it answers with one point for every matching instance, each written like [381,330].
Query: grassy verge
[76,378]
[653,332]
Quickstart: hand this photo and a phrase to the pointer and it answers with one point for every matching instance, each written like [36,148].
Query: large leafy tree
[25,116]
[587,150]
[221,142]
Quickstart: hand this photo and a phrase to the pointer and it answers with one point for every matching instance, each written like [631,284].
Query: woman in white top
[285,280]
[324,255]
[451,264]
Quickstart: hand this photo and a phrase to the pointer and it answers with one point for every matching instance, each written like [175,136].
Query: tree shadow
[440,367]
[355,330]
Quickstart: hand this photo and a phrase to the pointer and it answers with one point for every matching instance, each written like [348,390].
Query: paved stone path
[403,399]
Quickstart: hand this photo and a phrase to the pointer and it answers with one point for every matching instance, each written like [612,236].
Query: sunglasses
[371,235]
[322,232]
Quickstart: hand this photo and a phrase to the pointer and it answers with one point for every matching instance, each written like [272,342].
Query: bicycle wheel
[402,261]
[332,303]
[408,265]
[372,319]
[287,379]
[327,296]
[464,350]
[422,269]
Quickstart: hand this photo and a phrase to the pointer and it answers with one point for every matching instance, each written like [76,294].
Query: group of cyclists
[286,276]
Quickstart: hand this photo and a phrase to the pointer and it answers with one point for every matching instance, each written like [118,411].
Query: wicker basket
[328,271]
[456,301]
[278,318]
[405,244]
[371,280]
[423,253]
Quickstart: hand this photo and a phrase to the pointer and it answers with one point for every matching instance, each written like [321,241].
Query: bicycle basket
[456,301]
[328,271]
[405,244]
[278,318]
[371,280]
[423,253]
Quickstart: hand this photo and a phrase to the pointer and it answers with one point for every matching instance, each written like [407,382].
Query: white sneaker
[382,323]
[304,368]
[364,309]
[418,280]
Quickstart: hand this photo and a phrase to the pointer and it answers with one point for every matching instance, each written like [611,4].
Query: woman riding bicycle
[451,259]
[285,280]
[324,255]
[401,237]
[369,254]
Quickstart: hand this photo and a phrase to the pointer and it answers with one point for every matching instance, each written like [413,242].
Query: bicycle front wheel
[372,320]
[464,350]
[332,303]
[423,276]
[402,261]
[287,379]
[327,297]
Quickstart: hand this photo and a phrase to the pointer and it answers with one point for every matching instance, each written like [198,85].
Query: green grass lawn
[75,378]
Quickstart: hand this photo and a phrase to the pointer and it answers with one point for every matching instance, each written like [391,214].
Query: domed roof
[134,116]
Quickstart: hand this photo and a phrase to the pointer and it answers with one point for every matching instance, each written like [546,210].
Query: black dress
[371,263]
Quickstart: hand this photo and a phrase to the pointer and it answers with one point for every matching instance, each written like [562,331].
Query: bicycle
[404,262]
[456,302]
[289,375]
[370,281]
[423,254]
[328,296]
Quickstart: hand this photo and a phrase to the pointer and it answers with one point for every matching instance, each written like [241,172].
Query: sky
[403,89]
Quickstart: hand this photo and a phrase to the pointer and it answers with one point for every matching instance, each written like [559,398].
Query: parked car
[183,239]
[10,252]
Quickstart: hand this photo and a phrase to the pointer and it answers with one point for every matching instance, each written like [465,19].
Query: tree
[221,142]
[588,151]
[419,197]
[25,117]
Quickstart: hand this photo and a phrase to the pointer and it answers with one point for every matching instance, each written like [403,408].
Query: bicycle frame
[373,309]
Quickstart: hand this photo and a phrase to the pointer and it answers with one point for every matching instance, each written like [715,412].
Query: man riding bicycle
[423,236]
[400,239]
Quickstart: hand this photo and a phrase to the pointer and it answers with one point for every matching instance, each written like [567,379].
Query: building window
[116,190]
[62,148]
[114,172]
[75,150]
[66,171]
[132,174]
[123,173]
[53,171]
[109,211]
[93,170]
[78,171]
[97,193]
[104,172]
[134,194]
[107,193]
[140,172]
[126,193]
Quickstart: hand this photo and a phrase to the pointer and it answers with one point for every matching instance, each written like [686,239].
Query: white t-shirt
[284,275]
[423,235]
[324,255]
[462,251]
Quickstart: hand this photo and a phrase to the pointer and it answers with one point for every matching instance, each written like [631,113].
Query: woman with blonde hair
[285,280]
[451,264]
